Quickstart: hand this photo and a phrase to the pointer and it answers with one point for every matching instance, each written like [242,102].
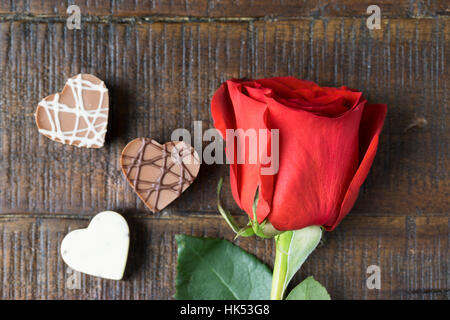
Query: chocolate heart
[78,115]
[159,173]
[101,249]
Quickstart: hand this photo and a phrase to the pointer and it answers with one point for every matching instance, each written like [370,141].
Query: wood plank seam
[183,19]
[231,8]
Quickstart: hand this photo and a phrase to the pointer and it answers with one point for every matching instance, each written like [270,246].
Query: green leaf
[217,269]
[294,247]
[309,289]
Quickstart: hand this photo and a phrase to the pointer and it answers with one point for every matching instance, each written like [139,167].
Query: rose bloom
[328,138]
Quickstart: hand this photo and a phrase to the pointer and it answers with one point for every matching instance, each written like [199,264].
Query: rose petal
[317,161]
[222,110]
[309,96]
[371,124]
[245,113]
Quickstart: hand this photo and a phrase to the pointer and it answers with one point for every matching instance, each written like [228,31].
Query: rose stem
[282,242]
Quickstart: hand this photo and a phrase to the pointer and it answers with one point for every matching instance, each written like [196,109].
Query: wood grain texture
[412,253]
[228,8]
[162,77]
[162,62]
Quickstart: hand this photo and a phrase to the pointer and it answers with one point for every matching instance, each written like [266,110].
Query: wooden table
[162,61]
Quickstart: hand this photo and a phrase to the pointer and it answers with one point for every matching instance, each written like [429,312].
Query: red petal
[370,128]
[317,161]
[307,95]
[222,110]
[243,112]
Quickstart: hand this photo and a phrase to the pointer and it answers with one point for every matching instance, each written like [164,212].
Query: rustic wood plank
[412,253]
[228,8]
[162,76]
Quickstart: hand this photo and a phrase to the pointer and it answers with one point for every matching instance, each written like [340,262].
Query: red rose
[328,138]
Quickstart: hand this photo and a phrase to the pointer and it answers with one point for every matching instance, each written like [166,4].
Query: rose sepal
[264,230]
[240,232]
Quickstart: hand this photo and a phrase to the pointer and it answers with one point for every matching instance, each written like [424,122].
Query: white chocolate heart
[101,249]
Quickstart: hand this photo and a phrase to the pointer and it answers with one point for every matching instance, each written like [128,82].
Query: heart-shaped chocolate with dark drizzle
[159,173]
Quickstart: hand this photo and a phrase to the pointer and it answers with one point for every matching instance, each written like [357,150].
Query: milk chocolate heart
[78,115]
[159,173]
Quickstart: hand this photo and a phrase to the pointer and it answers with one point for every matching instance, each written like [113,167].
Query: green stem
[282,242]
[292,249]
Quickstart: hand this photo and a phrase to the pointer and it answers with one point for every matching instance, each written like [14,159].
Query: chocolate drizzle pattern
[170,159]
[96,120]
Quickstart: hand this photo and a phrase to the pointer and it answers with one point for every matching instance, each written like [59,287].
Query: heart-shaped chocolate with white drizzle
[159,173]
[78,115]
